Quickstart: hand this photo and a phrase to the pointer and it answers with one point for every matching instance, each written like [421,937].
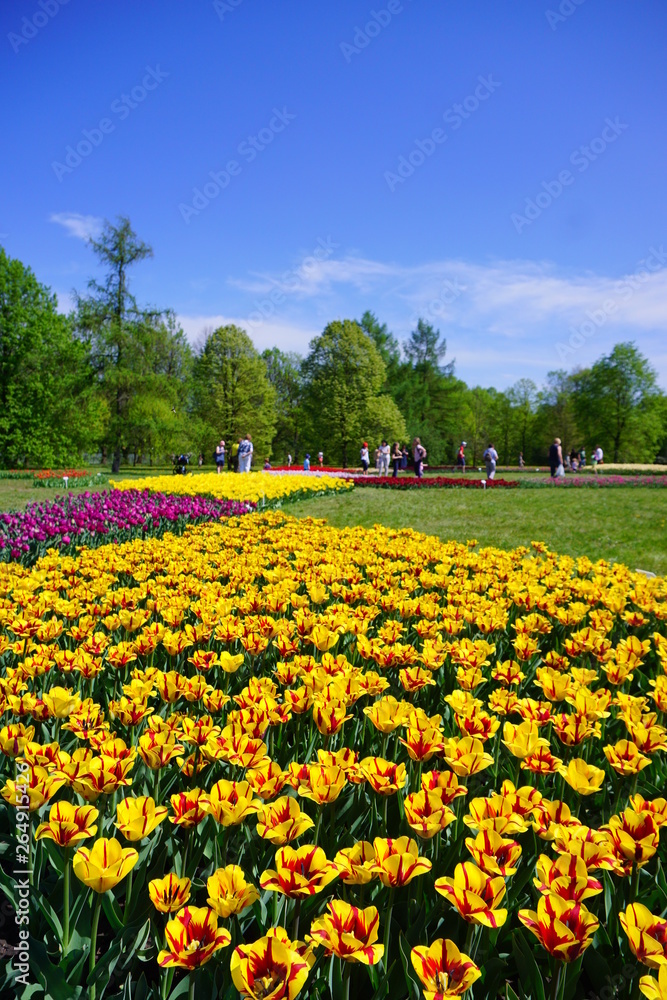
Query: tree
[129,347]
[555,416]
[49,411]
[428,394]
[523,397]
[618,402]
[284,370]
[232,392]
[478,414]
[383,419]
[344,376]
[387,345]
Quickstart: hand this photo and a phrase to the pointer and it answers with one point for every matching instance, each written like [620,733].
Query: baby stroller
[181,465]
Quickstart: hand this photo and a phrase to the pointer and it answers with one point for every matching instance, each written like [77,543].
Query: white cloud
[271,333]
[503,319]
[82,226]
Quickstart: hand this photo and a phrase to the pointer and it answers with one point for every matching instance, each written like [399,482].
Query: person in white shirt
[490,458]
[365,457]
[383,465]
[245,454]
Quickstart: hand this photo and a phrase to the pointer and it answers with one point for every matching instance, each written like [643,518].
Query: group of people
[238,458]
[306,461]
[574,461]
[490,457]
[398,455]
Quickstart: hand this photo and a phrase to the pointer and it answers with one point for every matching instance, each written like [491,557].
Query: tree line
[121,379]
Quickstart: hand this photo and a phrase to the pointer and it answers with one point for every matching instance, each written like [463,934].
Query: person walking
[289,461]
[582,458]
[418,456]
[383,467]
[521,461]
[396,458]
[220,457]
[306,463]
[234,455]
[490,458]
[247,453]
[365,458]
[556,459]
[461,457]
[320,458]
[598,456]
[405,456]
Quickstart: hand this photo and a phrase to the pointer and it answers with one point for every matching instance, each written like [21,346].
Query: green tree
[618,404]
[555,416]
[344,375]
[284,370]
[232,393]
[132,350]
[383,419]
[428,394]
[523,400]
[49,412]
[387,345]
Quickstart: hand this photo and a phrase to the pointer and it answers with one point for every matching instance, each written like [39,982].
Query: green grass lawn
[627,525]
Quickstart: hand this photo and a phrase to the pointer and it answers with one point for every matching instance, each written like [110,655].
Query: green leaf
[180,989]
[51,978]
[529,973]
[105,965]
[406,962]
[112,912]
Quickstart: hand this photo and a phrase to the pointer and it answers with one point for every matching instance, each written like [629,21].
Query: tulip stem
[66,873]
[128,895]
[295,926]
[468,943]
[634,884]
[556,980]
[93,940]
[191,989]
[387,928]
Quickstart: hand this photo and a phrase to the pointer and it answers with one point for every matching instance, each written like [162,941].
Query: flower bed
[43,474]
[435,482]
[313,468]
[91,518]
[85,481]
[359,757]
[269,489]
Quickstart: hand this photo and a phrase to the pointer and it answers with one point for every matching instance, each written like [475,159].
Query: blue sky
[497,167]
